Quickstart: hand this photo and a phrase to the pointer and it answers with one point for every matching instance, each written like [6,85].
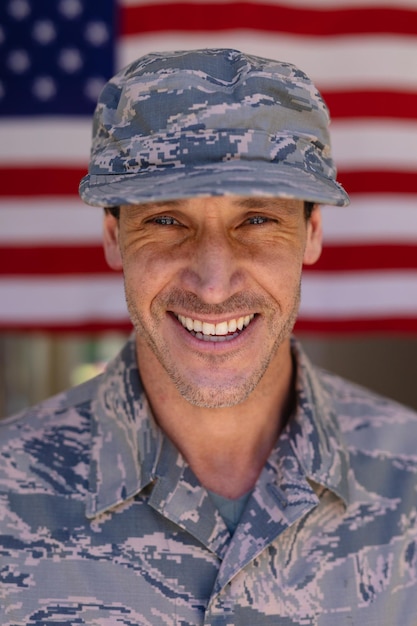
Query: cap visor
[228,178]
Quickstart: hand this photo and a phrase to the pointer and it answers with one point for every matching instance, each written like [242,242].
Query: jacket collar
[125,438]
[128,449]
[314,434]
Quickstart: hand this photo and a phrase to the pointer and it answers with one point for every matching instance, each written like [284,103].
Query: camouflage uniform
[103,523]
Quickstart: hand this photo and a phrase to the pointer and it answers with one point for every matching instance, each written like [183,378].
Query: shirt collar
[314,433]
[125,438]
[127,443]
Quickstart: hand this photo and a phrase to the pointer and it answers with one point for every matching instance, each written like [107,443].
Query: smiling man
[211,475]
[213,287]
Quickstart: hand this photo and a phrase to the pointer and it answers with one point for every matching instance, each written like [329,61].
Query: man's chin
[216,396]
[217,401]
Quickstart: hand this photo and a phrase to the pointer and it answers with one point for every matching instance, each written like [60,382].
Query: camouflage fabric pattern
[210,122]
[103,523]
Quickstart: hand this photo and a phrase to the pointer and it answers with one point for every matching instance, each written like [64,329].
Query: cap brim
[227,178]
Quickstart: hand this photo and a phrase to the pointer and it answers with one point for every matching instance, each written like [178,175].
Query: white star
[19,9]
[96,33]
[93,87]
[44,88]
[70,60]
[70,8]
[44,31]
[18,61]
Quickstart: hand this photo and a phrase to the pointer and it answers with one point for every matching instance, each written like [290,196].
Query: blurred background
[62,311]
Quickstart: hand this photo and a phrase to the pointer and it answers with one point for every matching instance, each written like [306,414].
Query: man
[211,475]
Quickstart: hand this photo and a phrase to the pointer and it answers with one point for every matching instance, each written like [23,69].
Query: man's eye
[258,219]
[165,220]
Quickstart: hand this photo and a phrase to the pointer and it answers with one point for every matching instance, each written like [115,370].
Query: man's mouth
[223,331]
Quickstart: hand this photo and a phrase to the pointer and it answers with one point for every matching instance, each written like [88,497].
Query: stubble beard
[226,394]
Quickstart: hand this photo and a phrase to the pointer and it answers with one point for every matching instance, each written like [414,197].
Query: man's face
[212,286]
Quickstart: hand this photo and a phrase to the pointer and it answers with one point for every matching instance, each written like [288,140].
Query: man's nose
[214,272]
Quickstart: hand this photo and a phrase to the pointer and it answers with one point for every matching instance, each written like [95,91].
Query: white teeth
[209,329]
[220,330]
[232,326]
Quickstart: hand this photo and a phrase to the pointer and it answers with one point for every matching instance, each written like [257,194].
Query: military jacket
[103,523]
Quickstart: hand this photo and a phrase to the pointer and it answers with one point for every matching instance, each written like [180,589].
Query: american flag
[55,57]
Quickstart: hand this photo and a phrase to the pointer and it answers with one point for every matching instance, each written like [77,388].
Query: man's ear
[314,241]
[111,242]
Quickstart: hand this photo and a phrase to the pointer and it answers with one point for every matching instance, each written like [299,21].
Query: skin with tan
[212,286]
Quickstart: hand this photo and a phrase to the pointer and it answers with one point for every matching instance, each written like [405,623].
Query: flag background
[359,302]
[56,56]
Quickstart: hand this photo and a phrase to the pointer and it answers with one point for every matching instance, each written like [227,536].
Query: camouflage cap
[210,122]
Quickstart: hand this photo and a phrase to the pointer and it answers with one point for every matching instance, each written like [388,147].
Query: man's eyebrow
[257,203]
[160,204]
